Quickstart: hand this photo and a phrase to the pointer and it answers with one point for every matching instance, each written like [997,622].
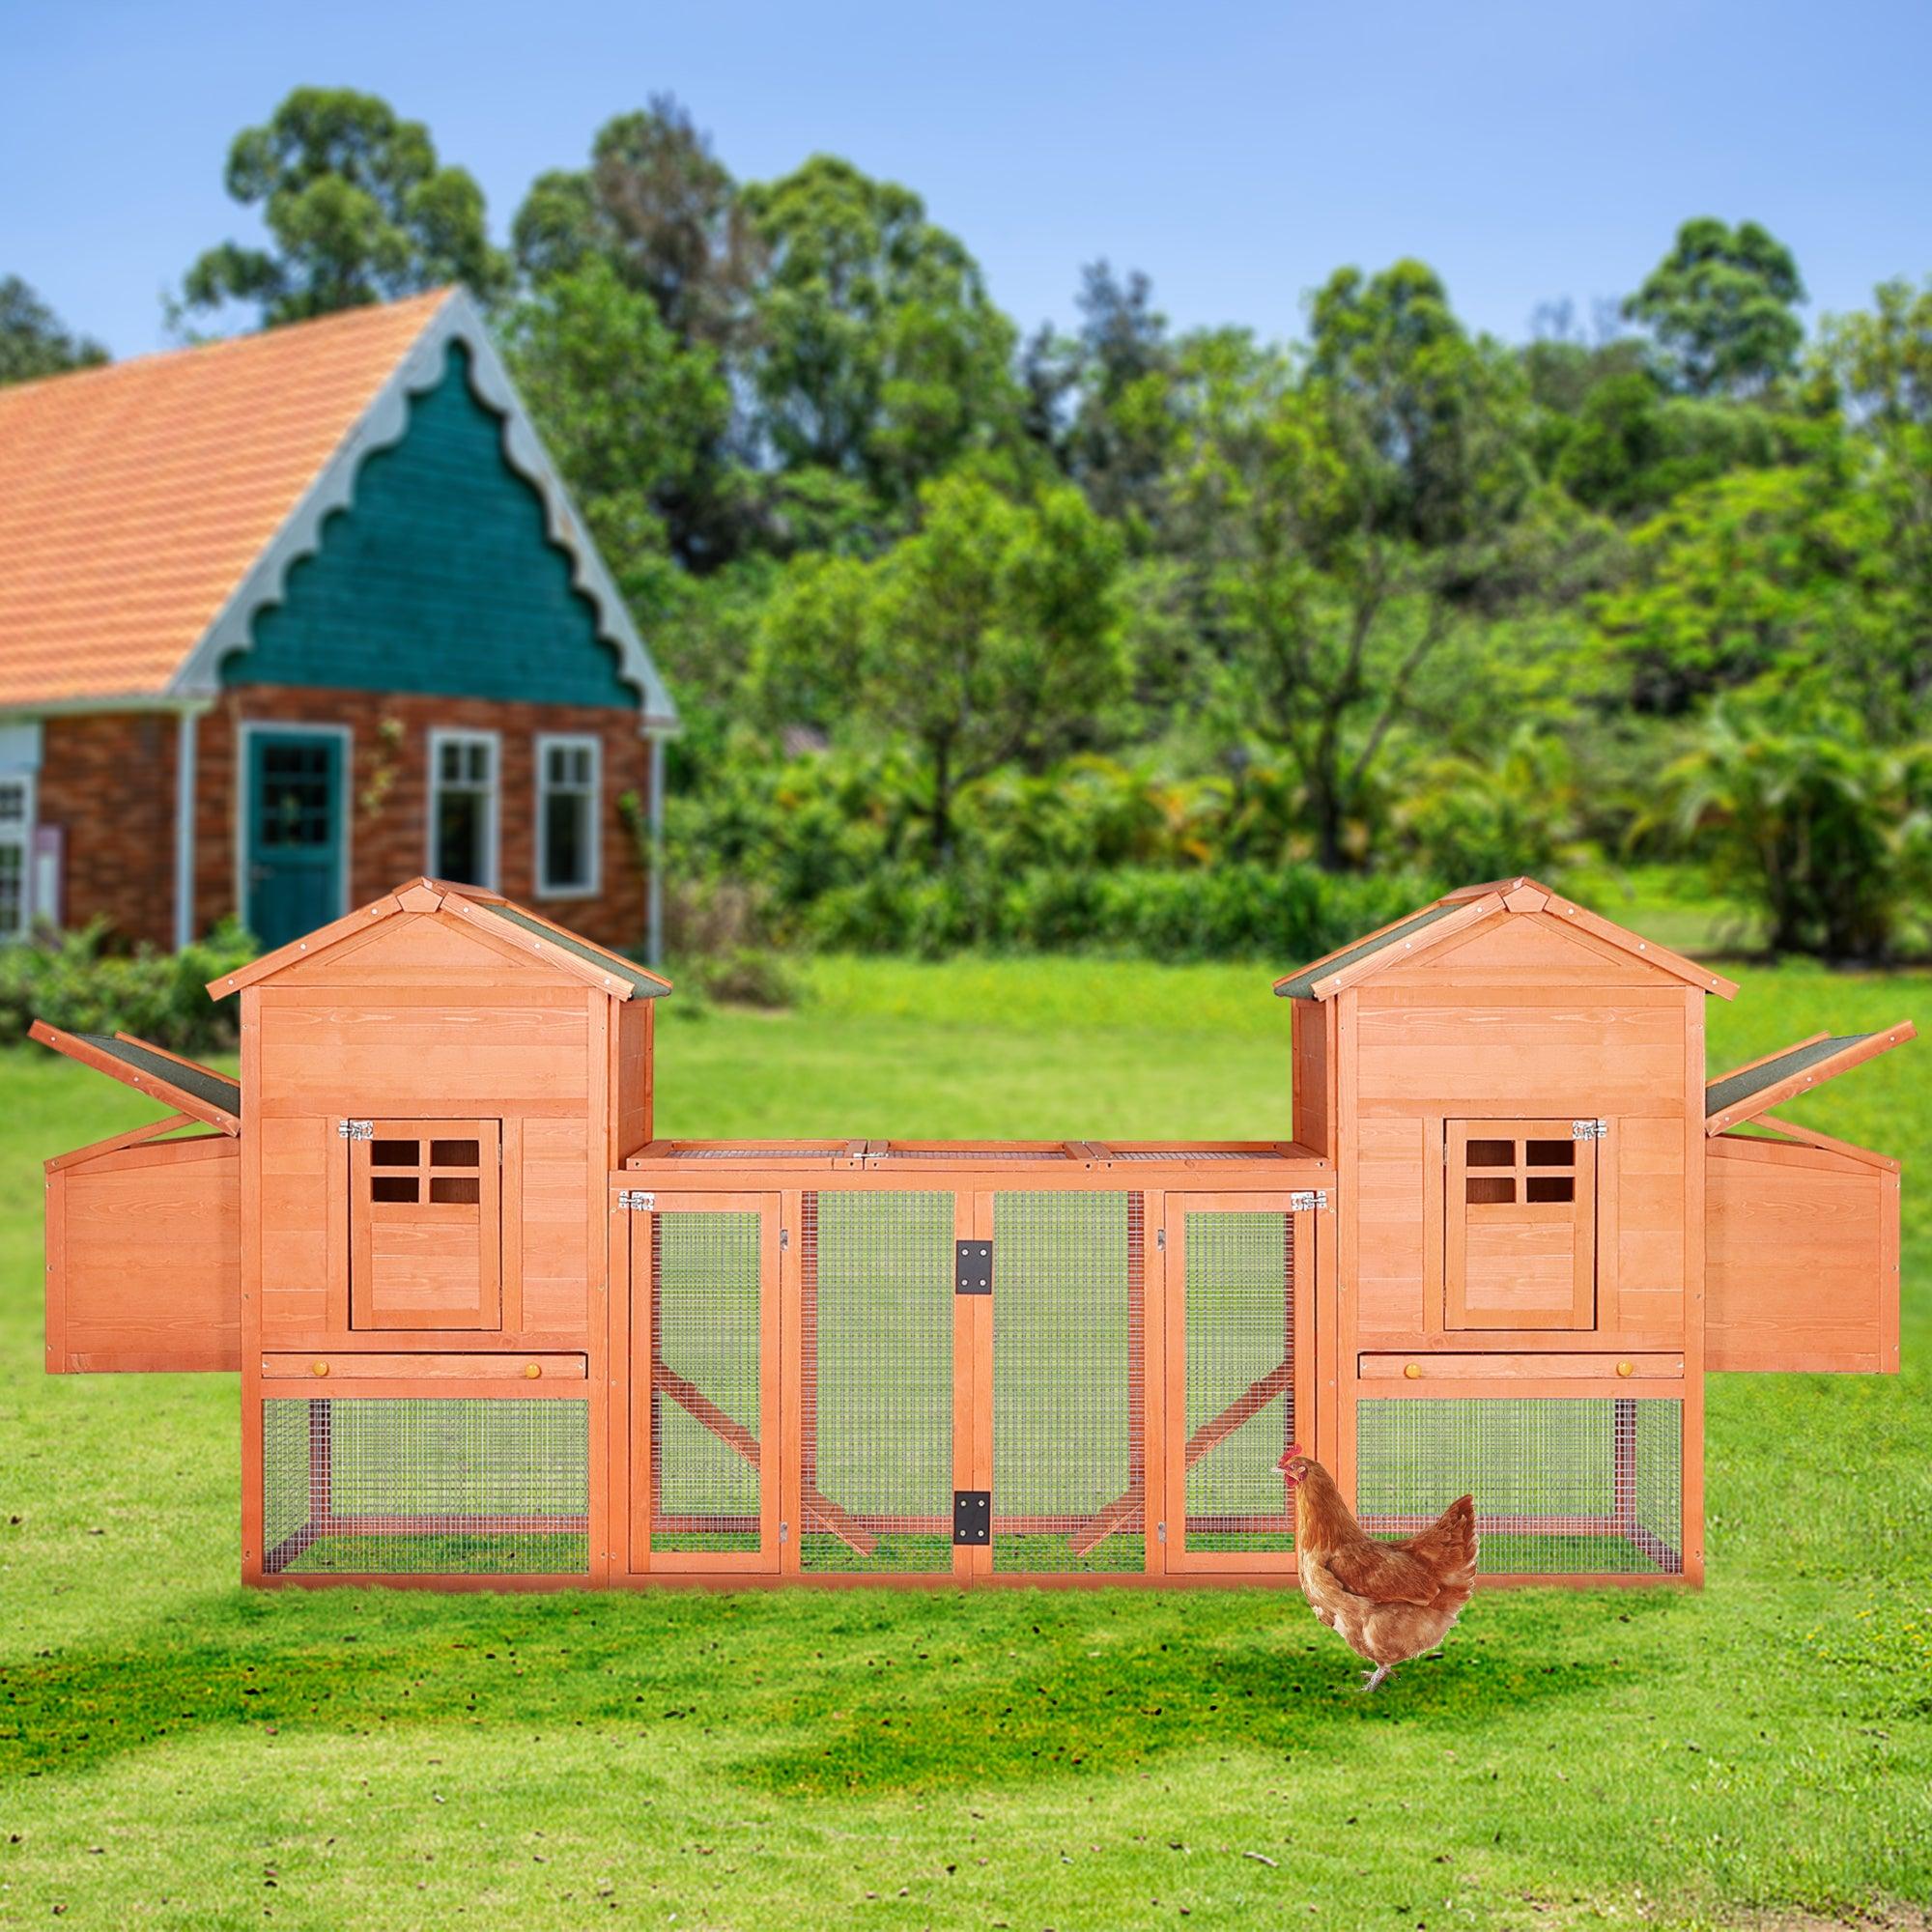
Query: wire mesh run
[1070,1445]
[707,1295]
[431,1486]
[1563,1485]
[876,1299]
[1239,1313]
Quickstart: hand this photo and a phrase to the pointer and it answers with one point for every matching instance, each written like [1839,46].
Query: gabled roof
[149,509]
[185,1085]
[490,914]
[1457,912]
[1747,1093]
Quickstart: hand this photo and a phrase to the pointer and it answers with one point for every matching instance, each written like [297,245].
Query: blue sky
[1238,153]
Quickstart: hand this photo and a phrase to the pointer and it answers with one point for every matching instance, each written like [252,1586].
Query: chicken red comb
[1288,1456]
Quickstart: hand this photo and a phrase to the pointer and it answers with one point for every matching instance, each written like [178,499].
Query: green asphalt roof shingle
[1723,1095]
[205,1085]
[646,985]
[1302,987]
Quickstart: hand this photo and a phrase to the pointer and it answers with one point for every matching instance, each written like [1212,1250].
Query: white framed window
[462,769]
[569,787]
[17,855]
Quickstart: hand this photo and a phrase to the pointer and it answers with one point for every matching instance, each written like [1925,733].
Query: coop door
[1520,1244]
[703,1465]
[425,1223]
[1240,1358]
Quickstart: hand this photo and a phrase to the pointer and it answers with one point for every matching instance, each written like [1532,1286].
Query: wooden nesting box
[490,1331]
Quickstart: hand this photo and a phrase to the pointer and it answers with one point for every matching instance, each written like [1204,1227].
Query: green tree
[989,635]
[661,208]
[1348,518]
[358,210]
[1827,834]
[1101,401]
[879,355]
[1719,308]
[629,412]
[33,339]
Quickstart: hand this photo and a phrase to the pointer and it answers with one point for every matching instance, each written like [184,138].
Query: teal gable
[438,577]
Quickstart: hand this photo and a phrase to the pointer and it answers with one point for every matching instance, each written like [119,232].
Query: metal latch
[637,1200]
[1305,1200]
[1589,1130]
[972,1516]
[972,1269]
[355,1130]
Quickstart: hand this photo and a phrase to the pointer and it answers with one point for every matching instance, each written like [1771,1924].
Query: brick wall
[110,782]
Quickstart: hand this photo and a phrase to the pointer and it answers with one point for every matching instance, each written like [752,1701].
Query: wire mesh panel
[1563,1485]
[1238,1287]
[1069,1452]
[707,1310]
[440,1486]
[877,1304]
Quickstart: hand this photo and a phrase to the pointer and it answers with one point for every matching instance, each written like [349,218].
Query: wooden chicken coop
[492,1333]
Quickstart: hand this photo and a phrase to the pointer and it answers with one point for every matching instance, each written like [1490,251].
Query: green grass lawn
[174,1750]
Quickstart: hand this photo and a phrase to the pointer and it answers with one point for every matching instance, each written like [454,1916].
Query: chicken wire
[441,1486]
[1563,1485]
[706,1304]
[876,1302]
[1239,1317]
[1069,1469]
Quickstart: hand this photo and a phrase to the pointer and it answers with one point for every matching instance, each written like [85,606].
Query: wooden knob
[1413,1372]
[317,1368]
[1626,1368]
[531,1371]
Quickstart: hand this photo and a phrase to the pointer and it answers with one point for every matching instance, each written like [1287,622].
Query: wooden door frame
[422,1128]
[1176,1442]
[631,1373]
[1458,1131]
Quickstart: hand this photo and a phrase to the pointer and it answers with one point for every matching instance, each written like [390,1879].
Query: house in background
[287,618]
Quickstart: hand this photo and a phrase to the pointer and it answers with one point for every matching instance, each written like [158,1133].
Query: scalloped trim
[382,426]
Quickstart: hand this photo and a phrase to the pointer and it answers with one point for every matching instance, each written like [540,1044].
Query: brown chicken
[1387,1602]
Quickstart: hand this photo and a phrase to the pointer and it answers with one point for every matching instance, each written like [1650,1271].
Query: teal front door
[292,840]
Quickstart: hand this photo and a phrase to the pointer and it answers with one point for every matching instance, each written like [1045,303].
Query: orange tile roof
[133,497]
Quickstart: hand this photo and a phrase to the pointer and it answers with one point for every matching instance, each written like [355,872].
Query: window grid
[569,790]
[463,816]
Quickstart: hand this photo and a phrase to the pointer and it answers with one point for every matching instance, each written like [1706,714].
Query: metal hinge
[637,1199]
[785,1239]
[1589,1130]
[1305,1200]
[971,1267]
[972,1516]
[355,1130]
[1160,1238]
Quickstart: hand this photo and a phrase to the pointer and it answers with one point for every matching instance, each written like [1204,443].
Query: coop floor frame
[1135,1203]
[754,1419]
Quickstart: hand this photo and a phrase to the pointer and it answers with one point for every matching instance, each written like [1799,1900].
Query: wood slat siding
[1802,1260]
[439,578]
[144,1255]
[371,1054]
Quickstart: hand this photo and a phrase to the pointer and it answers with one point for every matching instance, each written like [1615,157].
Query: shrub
[73,982]
[1281,914]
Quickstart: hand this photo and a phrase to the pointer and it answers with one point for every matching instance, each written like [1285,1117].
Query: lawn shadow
[800,1692]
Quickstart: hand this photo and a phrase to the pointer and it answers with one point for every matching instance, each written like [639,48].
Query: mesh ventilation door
[707,1320]
[393,1486]
[1238,1345]
[1070,1453]
[876,1314]
[1564,1485]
